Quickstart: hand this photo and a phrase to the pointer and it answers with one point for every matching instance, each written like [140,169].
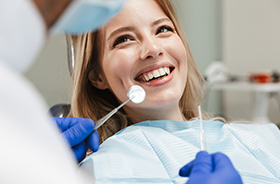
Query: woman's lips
[157,76]
[154,70]
[154,74]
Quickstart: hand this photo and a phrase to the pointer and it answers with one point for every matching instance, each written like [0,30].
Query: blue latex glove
[210,169]
[78,133]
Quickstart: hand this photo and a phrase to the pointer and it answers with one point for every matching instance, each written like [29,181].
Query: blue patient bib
[154,151]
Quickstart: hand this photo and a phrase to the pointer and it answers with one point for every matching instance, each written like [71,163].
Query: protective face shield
[86,15]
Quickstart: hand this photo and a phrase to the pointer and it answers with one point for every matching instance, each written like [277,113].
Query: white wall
[251,42]
[50,73]
[202,25]
[201,20]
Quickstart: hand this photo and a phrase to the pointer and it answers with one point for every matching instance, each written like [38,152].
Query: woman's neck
[170,113]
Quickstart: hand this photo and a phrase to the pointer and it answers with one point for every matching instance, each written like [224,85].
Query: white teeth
[155,74]
[146,78]
[161,71]
[167,70]
[150,76]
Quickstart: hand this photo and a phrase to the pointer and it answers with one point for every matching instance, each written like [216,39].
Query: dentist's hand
[78,133]
[210,169]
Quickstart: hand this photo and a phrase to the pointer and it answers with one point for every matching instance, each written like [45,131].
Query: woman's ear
[97,80]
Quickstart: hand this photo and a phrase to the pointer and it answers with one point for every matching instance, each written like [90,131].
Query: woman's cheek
[120,63]
[179,51]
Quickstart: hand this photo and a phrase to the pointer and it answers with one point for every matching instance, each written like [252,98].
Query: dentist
[32,148]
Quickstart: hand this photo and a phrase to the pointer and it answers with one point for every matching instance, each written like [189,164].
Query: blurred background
[242,35]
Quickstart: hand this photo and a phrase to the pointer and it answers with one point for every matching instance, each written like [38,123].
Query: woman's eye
[122,39]
[164,29]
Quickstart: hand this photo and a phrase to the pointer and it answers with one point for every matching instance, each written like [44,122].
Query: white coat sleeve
[32,149]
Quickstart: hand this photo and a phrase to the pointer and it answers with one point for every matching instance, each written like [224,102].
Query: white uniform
[32,150]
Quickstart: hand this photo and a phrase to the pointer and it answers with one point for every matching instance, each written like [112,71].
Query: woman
[92,98]
[144,45]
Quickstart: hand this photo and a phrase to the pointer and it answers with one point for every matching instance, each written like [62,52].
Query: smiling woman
[143,45]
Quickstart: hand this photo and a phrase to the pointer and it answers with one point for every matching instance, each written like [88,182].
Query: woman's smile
[155,75]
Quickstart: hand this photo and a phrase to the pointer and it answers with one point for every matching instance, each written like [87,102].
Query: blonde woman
[144,45]
[94,94]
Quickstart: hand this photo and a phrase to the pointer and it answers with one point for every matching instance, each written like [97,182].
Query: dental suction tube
[135,93]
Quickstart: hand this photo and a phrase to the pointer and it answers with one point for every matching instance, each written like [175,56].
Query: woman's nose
[150,49]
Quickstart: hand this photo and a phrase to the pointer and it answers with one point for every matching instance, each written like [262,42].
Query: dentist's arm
[210,169]
[79,134]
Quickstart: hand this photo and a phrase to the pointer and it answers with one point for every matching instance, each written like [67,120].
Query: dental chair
[62,110]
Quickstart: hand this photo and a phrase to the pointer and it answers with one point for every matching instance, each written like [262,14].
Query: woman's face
[141,47]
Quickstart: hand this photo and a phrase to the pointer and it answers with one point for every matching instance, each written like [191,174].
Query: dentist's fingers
[93,141]
[201,164]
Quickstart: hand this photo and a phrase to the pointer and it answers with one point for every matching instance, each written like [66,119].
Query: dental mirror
[135,93]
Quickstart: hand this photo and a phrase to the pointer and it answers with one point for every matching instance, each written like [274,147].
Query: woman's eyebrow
[120,30]
[129,28]
[160,21]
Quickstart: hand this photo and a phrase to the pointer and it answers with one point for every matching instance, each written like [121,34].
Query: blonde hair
[90,102]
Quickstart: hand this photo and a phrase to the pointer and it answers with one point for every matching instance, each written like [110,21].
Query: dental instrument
[202,136]
[135,93]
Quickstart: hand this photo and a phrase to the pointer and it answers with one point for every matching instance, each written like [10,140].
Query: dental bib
[154,151]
